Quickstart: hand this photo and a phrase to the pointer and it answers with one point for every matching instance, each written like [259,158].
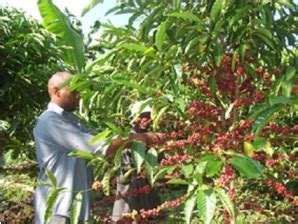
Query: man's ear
[56,91]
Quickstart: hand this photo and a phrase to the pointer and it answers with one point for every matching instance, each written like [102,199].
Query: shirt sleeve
[69,137]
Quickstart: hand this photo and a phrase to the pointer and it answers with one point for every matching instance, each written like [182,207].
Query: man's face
[69,100]
[143,122]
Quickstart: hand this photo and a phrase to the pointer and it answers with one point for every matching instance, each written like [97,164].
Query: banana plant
[59,24]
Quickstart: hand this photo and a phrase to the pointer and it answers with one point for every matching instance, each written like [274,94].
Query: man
[127,196]
[58,132]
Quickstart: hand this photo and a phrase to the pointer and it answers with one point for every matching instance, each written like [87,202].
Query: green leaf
[261,144]
[162,172]
[239,13]
[90,6]
[200,168]
[218,53]
[213,163]
[208,156]
[215,10]
[187,170]
[180,104]
[161,35]
[59,24]
[51,177]
[218,27]
[106,183]
[151,157]
[242,50]
[227,202]
[149,51]
[198,173]
[114,128]
[178,181]
[287,88]
[189,207]
[280,100]
[248,148]
[118,155]
[129,83]
[290,73]
[106,180]
[213,167]
[157,116]
[191,45]
[134,47]
[138,151]
[263,118]
[245,165]
[264,38]
[51,200]
[82,154]
[75,210]
[203,38]
[185,15]
[100,136]
[206,203]
[213,85]
[127,174]
[150,163]
[265,32]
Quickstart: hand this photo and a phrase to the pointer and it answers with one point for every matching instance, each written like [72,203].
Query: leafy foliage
[58,23]
[216,74]
[29,55]
[220,76]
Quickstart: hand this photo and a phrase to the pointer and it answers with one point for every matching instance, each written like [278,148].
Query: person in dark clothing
[135,192]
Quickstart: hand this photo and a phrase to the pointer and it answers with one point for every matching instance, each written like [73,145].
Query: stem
[235,114]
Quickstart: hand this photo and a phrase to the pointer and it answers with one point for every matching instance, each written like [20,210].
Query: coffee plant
[221,78]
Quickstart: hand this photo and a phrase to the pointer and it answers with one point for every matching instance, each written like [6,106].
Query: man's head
[141,116]
[58,88]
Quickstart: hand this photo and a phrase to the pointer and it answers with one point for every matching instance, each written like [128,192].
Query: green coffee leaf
[206,203]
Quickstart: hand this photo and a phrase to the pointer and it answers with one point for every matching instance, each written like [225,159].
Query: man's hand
[149,138]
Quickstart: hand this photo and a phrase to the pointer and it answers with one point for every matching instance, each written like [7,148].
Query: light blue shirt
[57,133]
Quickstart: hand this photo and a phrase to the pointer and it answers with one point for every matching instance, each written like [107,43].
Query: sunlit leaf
[161,35]
[51,177]
[58,23]
[189,207]
[82,155]
[216,8]
[290,73]
[99,137]
[227,202]
[178,181]
[75,209]
[261,144]
[51,200]
[187,170]
[138,151]
[134,47]
[245,165]
[150,163]
[248,148]
[185,15]
[264,117]
[206,203]
[90,6]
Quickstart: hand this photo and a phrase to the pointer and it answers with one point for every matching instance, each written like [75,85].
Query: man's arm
[148,138]
[71,138]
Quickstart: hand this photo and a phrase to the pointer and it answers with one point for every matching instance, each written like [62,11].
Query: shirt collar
[55,107]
